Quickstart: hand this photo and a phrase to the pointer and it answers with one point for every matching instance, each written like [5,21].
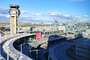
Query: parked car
[2,33]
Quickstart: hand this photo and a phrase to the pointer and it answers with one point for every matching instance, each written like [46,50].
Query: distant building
[69,28]
[86,34]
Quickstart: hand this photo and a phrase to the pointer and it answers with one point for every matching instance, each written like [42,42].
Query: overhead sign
[38,35]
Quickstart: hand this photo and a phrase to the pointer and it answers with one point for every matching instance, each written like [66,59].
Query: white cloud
[67,15]
[25,12]
[84,16]
[69,20]
[4,16]
[8,16]
[3,10]
[32,13]
[38,14]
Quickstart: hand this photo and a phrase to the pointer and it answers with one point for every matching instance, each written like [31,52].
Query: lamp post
[48,58]
[5,35]
[36,51]
[21,57]
[7,53]
[21,49]
[0,43]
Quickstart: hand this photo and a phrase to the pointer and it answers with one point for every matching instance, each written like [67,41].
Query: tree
[2,28]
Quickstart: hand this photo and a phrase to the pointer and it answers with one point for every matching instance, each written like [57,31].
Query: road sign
[38,35]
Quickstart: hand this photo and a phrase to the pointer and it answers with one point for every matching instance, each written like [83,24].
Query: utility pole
[48,58]
[36,51]
[21,57]
[21,49]
[7,53]
[0,43]
[5,35]
[24,39]
[36,54]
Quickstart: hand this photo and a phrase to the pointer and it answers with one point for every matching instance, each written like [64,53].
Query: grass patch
[38,40]
[32,41]
[34,25]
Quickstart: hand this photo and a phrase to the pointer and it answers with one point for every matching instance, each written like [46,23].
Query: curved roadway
[60,52]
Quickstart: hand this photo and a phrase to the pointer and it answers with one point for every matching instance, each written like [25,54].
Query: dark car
[2,33]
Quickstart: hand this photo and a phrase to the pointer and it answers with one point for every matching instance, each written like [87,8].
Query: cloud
[3,10]
[38,14]
[32,18]
[4,18]
[32,13]
[57,15]
[50,16]
[25,12]
[84,16]
[65,16]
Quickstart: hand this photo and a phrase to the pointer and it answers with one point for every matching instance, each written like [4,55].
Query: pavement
[4,39]
[58,52]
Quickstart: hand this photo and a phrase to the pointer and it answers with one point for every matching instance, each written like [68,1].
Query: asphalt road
[60,52]
[2,51]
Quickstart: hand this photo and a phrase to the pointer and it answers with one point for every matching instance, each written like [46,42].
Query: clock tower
[14,14]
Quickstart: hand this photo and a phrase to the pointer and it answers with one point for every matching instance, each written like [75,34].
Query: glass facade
[75,28]
[71,28]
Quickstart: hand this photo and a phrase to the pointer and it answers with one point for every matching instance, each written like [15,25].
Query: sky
[64,11]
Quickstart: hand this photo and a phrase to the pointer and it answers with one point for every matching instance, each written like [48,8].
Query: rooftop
[84,41]
[53,38]
[14,6]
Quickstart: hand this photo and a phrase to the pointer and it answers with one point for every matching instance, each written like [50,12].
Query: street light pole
[36,51]
[5,35]
[48,58]
[21,57]
[21,49]
[0,43]
[36,54]
[7,53]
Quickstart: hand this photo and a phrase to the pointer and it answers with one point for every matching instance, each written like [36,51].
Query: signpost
[38,36]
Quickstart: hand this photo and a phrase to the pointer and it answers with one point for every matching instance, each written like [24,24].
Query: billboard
[38,36]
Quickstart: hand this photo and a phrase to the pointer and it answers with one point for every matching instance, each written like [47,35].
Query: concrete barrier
[13,53]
